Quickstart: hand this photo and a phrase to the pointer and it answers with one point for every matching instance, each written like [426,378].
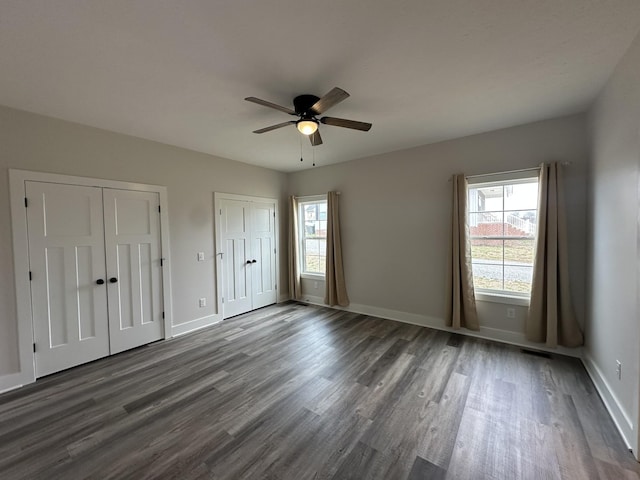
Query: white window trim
[301,200]
[519,176]
[494,297]
[506,178]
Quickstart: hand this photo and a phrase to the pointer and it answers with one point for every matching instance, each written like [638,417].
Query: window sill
[500,298]
[312,276]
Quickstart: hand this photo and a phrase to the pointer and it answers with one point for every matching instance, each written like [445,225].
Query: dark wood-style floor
[300,392]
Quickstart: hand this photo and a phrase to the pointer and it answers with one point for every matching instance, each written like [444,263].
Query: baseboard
[195,324]
[487,333]
[12,381]
[620,417]
[283,298]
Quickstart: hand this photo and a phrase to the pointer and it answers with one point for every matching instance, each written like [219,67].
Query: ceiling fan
[308,108]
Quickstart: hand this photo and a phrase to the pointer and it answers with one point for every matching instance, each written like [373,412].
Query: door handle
[113,280]
[100,281]
[248,262]
[254,261]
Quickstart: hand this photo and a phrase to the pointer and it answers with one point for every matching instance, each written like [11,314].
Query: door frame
[17,192]
[218,197]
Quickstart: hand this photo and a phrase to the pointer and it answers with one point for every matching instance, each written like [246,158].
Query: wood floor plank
[422,469]
[302,392]
[361,462]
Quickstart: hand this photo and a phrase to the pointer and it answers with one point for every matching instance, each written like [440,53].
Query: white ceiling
[420,70]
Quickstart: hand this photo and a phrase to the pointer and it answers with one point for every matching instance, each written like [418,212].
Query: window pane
[486,199]
[517,279]
[523,196]
[517,252]
[486,224]
[322,211]
[487,276]
[486,251]
[314,264]
[522,223]
[322,229]
[322,264]
[311,247]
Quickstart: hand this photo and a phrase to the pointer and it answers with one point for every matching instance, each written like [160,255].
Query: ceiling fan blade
[342,122]
[332,98]
[274,127]
[264,103]
[315,138]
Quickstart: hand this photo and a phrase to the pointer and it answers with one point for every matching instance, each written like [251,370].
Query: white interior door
[134,276]
[235,237]
[263,254]
[68,289]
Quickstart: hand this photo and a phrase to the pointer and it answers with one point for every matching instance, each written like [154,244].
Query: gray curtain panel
[295,292]
[462,299]
[335,287]
[551,316]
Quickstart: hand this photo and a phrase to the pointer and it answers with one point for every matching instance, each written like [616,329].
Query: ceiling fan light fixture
[306,126]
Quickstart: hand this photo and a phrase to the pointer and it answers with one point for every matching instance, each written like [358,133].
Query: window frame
[503,179]
[302,235]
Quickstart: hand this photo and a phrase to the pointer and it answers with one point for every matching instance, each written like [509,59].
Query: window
[502,228]
[312,223]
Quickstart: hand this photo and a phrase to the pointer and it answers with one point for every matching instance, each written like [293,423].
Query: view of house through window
[502,227]
[313,235]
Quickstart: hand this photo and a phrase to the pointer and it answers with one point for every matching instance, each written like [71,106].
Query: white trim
[318,277]
[621,418]
[26,368]
[245,198]
[17,189]
[197,324]
[505,178]
[310,199]
[217,198]
[10,382]
[488,333]
[499,298]
[167,292]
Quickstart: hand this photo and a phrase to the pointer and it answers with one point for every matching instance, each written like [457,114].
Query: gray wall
[612,321]
[33,142]
[395,212]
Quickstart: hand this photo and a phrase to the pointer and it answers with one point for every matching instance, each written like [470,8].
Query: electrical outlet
[619,369]
[201,256]
[203,302]
[511,312]
[315,284]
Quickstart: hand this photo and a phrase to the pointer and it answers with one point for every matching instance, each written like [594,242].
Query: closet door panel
[235,238]
[66,256]
[133,252]
[263,266]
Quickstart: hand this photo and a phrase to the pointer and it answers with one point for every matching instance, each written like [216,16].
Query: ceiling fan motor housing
[303,103]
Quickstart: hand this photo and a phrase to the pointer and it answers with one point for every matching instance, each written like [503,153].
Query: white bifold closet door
[94,258]
[248,255]
[68,288]
[132,241]
[263,255]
